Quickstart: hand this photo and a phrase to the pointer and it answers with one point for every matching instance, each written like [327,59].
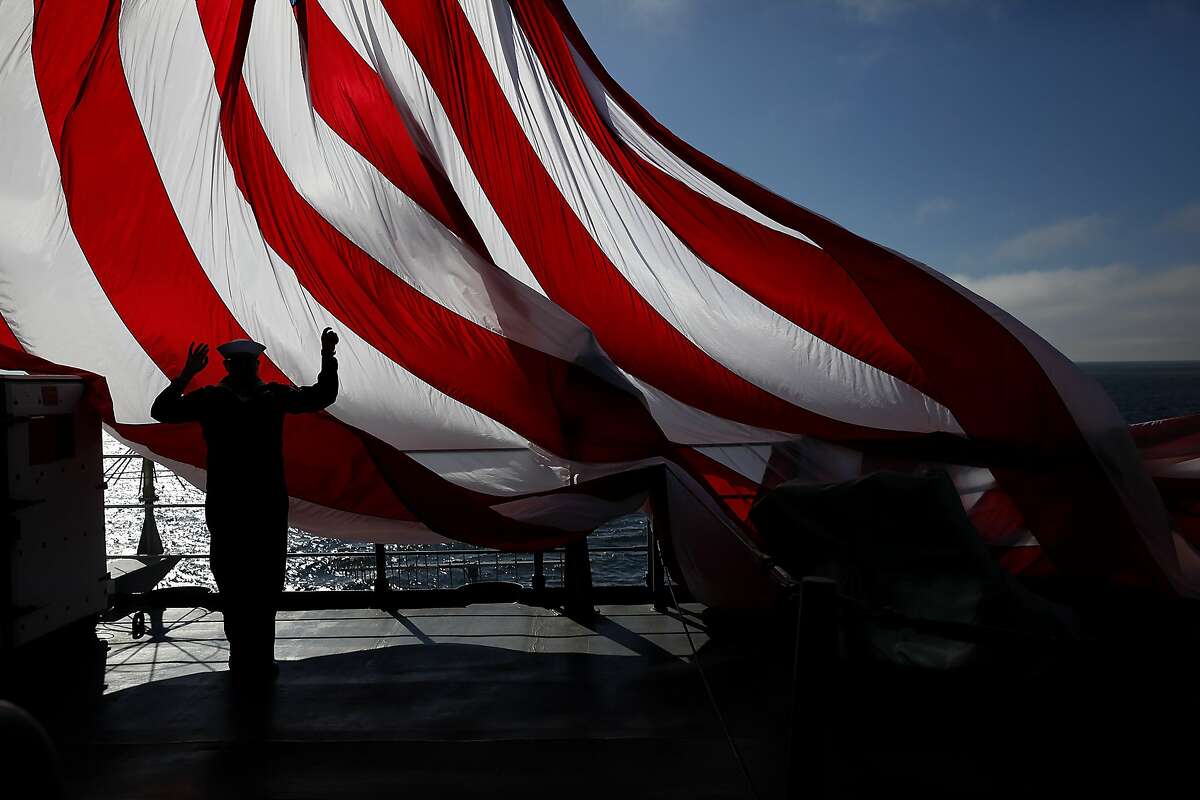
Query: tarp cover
[543,296]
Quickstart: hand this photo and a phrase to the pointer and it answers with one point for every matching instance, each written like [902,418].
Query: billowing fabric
[546,301]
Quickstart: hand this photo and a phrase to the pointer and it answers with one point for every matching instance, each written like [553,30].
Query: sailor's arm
[325,390]
[172,405]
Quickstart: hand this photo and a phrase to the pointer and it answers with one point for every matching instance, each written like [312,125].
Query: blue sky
[1045,153]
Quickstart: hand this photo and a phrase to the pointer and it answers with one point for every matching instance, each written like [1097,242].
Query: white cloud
[1183,220]
[1112,313]
[935,207]
[1048,239]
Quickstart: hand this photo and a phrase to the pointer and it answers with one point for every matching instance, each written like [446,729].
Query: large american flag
[546,300]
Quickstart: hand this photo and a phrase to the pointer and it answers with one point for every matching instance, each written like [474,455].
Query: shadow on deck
[507,700]
[496,700]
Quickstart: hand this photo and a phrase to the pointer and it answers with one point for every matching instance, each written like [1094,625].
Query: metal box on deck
[52,552]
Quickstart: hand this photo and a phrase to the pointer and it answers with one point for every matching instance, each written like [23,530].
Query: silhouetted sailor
[246,506]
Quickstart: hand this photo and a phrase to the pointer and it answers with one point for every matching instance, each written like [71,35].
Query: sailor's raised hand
[197,360]
[329,341]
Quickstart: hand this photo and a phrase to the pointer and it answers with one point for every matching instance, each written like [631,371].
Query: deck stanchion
[658,526]
[539,576]
[809,773]
[150,543]
[650,558]
[381,580]
[577,578]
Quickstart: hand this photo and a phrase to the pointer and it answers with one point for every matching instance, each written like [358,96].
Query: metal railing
[384,567]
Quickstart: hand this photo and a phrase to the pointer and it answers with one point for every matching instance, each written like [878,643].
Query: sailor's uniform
[246,505]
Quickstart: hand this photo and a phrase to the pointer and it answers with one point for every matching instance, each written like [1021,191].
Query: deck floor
[486,700]
[507,700]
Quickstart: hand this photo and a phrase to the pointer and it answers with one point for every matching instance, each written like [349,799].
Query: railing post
[650,555]
[659,524]
[381,580]
[809,773]
[150,543]
[539,576]
[577,579]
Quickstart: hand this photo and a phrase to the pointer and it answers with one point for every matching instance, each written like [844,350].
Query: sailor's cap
[241,347]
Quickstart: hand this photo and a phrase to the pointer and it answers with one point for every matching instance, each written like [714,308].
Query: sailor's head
[241,358]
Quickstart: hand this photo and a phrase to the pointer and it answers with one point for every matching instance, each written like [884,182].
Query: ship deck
[486,700]
[508,700]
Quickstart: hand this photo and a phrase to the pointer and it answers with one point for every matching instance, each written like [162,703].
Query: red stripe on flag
[8,339]
[1165,438]
[1030,562]
[734,490]
[560,406]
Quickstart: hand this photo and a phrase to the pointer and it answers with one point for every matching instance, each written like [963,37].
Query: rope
[712,698]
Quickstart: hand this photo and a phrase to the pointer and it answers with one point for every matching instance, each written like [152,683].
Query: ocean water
[338,564]
[1141,391]
[1146,390]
